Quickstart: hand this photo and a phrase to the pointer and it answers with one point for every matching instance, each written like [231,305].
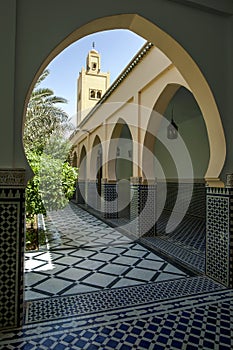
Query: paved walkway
[91,287]
[83,254]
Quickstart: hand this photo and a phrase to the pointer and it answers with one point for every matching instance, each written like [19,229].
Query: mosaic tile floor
[186,245]
[106,291]
[191,313]
[83,254]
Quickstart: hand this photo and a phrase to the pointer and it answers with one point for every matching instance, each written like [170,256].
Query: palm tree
[43,116]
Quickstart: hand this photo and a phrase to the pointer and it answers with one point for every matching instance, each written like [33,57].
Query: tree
[43,116]
[47,150]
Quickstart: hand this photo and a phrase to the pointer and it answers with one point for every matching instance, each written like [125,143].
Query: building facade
[196,38]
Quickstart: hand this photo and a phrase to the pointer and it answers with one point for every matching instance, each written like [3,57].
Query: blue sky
[116,47]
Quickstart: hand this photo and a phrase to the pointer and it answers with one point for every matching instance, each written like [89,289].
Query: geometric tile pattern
[73,305]
[186,246]
[218,235]
[143,209]
[191,232]
[194,322]
[187,241]
[195,206]
[109,197]
[177,251]
[71,271]
[11,250]
[181,313]
[83,254]
[73,227]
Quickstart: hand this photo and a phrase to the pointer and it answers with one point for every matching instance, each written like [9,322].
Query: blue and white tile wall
[12,214]
[219,235]
[109,202]
[143,208]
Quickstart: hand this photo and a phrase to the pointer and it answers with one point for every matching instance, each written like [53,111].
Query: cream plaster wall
[32,37]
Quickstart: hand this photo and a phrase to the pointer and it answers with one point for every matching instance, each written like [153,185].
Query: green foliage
[34,204]
[43,116]
[69,177]
[47,150]
[52,185]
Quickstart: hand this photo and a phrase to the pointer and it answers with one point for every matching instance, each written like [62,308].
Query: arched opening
[121,166]
[184,63]
[96,174]
[192,75]
[181,192]
[81,195]
[75,160]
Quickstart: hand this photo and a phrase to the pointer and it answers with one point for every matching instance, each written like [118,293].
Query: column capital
[13,178]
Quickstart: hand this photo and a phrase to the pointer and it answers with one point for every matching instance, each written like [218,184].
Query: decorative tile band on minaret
[219,235]
[12,227]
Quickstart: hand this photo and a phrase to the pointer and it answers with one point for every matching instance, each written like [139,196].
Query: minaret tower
[92,84]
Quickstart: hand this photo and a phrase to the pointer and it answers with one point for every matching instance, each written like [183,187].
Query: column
[92,194]
[109,199]
[219,235]
[81,191]
[143,207]
[12,228]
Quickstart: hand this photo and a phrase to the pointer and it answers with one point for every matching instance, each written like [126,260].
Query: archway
[81,195]
[120,165]
[96,174]
[181,192]
[184,63]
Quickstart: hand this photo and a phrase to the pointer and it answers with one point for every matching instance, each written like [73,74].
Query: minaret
[92,84]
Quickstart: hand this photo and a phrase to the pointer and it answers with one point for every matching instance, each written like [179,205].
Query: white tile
[167,276]
[90,264]
[80,288]
[173,269]
[99,279]
[124,282]
[73,273]
[67,260]
[31,295]
[31,278]
[114,269]
[31,264]
[125,260]
[153,265]
[54,285]
[142,274]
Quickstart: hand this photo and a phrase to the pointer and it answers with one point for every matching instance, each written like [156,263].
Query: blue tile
[125,347]
[209,345]
[131,339]
[175,344]
[226,340]
[100,339]
[29,346]
[179,335]
[118,334]
[48,343]
[162,339]
[112,343]
[145,344]
[88,335]
[193,339]
[69,338]
[81,343]
[149,335]
[59,347]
